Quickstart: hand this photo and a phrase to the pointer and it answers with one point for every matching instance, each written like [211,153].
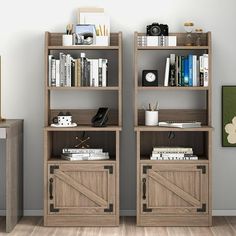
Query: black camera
[156,29]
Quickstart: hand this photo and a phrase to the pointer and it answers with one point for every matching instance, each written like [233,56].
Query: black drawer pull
[51,188]
[144,188]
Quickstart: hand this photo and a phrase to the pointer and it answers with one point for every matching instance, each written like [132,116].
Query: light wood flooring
[222,226]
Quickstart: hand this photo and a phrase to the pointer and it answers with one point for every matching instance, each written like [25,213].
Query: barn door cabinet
[173,192]
[83,193]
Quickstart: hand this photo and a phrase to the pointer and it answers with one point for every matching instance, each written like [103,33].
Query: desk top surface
[9,123]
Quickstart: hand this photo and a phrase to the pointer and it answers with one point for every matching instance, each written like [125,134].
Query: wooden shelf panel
[60,161]
[84,88]
[172,48]
[81,47]
[84,128]
[151,162]
[55,43]
[157,128]
[142,88]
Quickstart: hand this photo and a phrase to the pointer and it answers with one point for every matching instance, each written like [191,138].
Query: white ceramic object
[151,118]
[67,39]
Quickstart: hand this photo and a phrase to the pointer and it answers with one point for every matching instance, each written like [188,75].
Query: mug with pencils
[67,39]
[151,115]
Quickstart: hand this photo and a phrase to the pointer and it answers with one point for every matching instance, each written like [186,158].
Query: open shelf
[55,43]
[174,88]
[61,161]
[158,128]
[84,128]
[172,47]
[85,88]
[146,160]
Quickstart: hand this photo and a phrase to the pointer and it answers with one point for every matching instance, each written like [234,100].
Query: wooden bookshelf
[173,193]
[83,193]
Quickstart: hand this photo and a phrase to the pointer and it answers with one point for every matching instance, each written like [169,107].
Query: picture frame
[229,116]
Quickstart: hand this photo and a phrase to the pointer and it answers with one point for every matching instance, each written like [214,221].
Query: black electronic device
[156,29]
[101,118]
[150,78]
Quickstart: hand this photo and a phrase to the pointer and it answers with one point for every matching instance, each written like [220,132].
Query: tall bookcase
[173,193]
[83,193]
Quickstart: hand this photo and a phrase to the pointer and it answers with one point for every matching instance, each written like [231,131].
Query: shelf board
[60,161]
[157,128]
[110,88]
[151,162]
[84,128]
[176,88]
[81,47]
[173,48]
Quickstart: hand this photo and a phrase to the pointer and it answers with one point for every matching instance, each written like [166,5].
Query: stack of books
[81,72]
[173,153]
[180,124]
[191,70]
[80,154]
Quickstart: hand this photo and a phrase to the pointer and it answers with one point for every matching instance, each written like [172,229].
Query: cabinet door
[174,189]
[81,189]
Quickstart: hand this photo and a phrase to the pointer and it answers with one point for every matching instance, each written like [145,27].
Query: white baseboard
[224,212]
[124,212]
[127,212]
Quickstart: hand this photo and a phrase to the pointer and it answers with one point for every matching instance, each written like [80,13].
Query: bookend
[101,118]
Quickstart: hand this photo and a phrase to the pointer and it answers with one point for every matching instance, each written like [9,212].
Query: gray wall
[22,25]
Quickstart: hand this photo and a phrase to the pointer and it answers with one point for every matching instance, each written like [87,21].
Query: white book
[68,70]
[167,71]
[172,40]
[104,72]
[195,70]
[152,40]
[57,73]
[180,124]
[172,149]
[86,158]
[82,150]
[95,72]
[50,70]
[205,70]
[201,71]
[53,71]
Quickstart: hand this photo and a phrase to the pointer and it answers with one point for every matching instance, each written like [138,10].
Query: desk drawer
[3,133]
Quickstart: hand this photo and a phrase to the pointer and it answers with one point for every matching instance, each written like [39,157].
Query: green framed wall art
[229,116]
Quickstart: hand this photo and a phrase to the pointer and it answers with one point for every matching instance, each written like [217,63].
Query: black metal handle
[144,188]
[51,188]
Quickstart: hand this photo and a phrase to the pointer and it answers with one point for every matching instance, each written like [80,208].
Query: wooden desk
[12,132]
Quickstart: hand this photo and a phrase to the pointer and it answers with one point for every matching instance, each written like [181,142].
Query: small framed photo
[229,116]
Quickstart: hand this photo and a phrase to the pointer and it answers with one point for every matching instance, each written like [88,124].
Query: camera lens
[155,30]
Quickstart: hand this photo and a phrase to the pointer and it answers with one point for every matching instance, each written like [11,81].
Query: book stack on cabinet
[82,189]
[173,191]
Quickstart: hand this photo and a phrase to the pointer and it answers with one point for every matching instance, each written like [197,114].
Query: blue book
[190,64]
[186,71]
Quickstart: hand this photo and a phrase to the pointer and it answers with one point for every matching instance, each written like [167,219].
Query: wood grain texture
[221,227]
[33,226]
[14,172]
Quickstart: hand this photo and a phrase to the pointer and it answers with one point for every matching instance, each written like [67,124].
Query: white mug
[64,120]
[151,118]
[67,39]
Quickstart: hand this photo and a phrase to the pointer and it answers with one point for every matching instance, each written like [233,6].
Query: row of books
[81,72]
[173,153]
[81,154]
[191,70]
[157,40]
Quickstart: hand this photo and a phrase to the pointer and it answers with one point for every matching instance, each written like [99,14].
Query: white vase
[151,118]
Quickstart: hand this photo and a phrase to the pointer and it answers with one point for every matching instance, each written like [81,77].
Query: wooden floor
[222,226]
